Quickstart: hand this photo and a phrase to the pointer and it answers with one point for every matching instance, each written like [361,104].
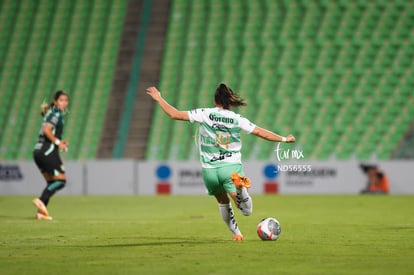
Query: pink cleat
[40,216]
[41,207]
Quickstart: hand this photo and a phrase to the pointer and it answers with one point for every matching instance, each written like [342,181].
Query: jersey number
[222,139]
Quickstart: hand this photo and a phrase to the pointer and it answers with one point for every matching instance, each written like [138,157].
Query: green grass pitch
[185,235]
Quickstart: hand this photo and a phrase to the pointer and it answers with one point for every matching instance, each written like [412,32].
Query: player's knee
[222,198]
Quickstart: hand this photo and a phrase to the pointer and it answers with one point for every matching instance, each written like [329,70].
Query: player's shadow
[159,242]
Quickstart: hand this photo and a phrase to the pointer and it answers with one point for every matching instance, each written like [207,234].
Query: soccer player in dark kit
[46,151]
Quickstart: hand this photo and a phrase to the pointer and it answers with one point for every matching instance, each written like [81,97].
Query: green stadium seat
[341,72]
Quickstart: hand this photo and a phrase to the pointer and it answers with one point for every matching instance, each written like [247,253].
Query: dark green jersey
[53,117]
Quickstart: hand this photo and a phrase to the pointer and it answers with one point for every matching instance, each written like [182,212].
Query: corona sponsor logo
[222,119]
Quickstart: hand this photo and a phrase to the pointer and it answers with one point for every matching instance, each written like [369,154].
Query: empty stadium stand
[336,74]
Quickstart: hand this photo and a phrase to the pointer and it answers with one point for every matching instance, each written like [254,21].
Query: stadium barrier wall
[130,177]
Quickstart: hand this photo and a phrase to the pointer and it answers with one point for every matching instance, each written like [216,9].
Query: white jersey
[219,135]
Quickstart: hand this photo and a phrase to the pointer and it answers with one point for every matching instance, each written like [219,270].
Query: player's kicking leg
[243,200]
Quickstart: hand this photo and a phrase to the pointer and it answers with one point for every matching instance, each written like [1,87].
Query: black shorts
[51,164]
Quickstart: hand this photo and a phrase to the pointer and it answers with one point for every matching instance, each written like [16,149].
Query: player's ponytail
[44,107]
[224,96]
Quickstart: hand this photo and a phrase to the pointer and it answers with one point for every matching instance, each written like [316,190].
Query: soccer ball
[269,229]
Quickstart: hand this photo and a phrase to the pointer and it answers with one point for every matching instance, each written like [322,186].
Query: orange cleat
[238,237]
[41,207]
[240,181]
[40,216]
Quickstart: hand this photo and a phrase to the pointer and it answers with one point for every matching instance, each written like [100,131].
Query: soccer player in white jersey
[220,145]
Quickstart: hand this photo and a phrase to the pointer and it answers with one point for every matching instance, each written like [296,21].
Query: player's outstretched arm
[171,111]
[268,135]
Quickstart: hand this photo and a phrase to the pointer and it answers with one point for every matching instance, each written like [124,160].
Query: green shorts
[217,180]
